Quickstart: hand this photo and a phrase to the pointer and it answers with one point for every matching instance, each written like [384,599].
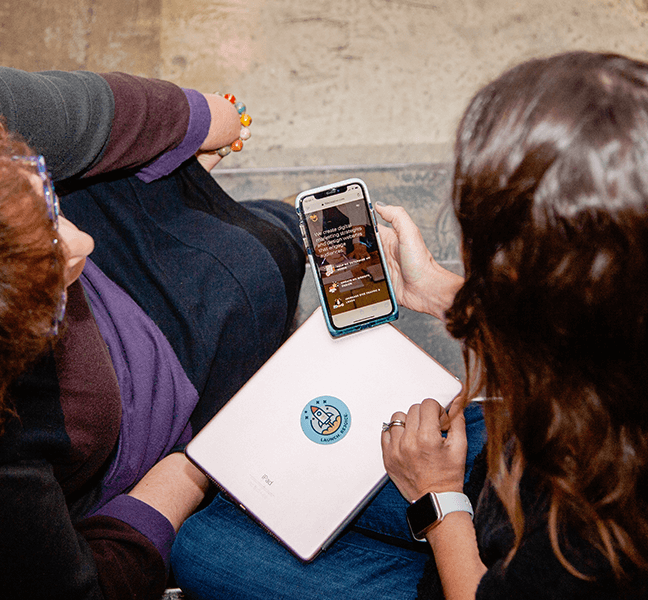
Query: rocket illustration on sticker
[326,420]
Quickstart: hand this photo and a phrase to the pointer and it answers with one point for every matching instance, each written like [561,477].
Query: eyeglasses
[53,210]
[51,199]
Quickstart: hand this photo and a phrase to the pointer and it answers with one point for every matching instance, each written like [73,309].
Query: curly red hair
[31,268]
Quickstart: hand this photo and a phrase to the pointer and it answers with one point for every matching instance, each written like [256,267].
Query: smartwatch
[429,510]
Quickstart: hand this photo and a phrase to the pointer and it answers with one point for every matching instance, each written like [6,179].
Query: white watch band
[452,502]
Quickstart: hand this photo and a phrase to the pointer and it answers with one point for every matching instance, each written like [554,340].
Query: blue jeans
[222,554]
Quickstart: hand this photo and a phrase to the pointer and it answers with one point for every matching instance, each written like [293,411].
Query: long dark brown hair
[551,194]
[31,269]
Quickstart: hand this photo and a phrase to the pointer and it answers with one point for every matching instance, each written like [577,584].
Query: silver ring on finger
[395,423]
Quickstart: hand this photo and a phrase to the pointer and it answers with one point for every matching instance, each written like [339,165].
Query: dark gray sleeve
[66,116]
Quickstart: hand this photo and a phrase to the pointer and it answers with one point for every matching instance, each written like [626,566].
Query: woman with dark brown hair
[551,195]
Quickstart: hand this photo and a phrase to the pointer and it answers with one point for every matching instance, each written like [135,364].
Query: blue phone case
[334,331]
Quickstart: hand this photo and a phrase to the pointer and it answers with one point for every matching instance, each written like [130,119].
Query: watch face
[421,516]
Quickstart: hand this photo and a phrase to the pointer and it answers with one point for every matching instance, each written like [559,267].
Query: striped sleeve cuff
[143,518]
[199,122]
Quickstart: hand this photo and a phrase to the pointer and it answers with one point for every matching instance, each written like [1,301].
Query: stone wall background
[328,82]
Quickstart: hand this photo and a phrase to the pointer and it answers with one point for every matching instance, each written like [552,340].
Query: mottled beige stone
[81,34]
[328,82]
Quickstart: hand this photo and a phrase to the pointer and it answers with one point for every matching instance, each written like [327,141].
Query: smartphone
[340,234]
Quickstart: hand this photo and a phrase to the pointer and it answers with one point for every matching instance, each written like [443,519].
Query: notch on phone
[330,192]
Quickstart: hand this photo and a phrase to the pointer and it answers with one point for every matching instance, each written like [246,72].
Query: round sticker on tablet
[326,420]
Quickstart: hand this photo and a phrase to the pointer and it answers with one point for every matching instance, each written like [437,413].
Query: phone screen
[347,255]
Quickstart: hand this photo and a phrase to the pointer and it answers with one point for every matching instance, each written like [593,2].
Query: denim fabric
[220,553]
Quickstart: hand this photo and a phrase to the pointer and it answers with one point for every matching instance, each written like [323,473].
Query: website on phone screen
[347,256]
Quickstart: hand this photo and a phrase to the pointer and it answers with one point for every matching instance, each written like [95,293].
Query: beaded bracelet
[245,134]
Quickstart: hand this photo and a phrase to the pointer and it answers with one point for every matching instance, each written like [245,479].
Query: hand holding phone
[420,283]
[339,230]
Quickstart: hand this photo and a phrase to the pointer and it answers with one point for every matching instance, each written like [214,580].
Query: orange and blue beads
[246,121]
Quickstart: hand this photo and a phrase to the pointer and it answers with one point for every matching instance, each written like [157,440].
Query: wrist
[443,286]
[450,522]
[241,127]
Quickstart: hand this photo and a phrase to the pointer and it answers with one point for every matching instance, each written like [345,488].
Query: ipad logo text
[267,480]
[325,420]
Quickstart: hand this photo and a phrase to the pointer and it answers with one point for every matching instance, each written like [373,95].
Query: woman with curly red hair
[31,269]
[109,364]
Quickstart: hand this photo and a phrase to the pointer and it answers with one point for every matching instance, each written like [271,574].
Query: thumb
[398,218]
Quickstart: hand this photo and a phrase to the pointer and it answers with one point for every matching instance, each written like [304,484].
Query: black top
[534,573]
